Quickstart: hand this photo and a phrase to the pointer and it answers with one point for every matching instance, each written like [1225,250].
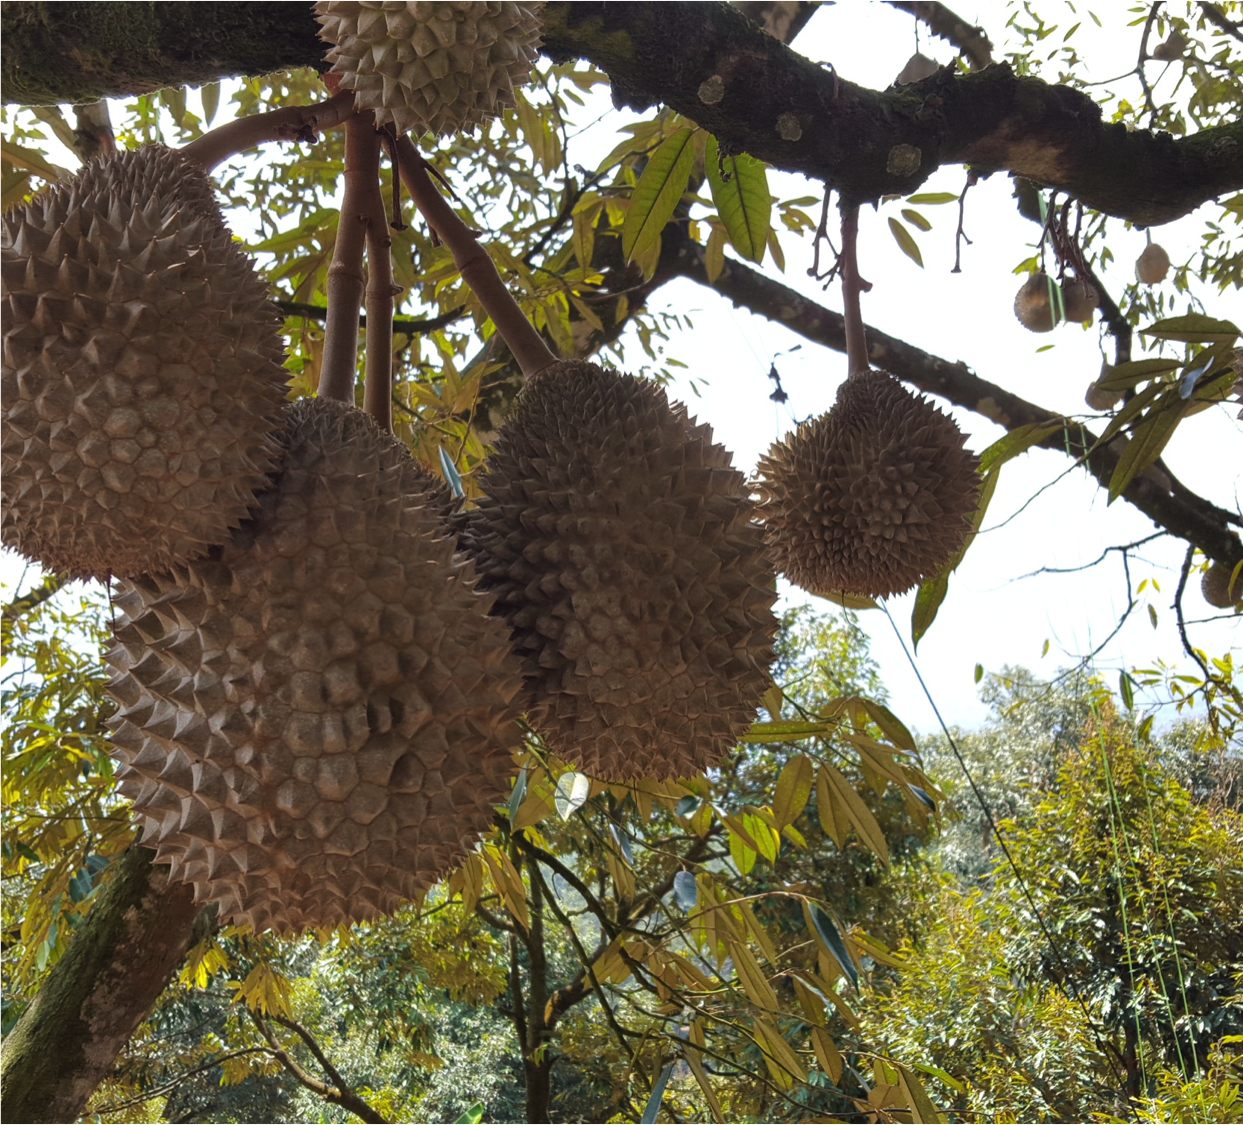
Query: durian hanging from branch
[876,495]
[442,67]
[621,546]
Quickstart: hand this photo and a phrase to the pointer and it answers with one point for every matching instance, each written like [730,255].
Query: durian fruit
[1100,399]
[1172,48]
[315,721]
[1033,305]
[141,370]
[1152,266]
[442,67]
[1215,586]
[621,548]
[870,498]
[1079,299]
[917,68]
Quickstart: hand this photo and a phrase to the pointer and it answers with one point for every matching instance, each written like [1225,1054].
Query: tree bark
[95,997]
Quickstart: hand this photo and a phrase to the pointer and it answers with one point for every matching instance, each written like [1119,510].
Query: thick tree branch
[99,992]
[782,19]
[1180,511]
[950,26]
[800,117]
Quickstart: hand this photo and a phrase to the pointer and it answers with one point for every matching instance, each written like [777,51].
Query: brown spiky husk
[443,67]
[141,370]
[1215,586]
[621,547]
[315,721]
[872,497]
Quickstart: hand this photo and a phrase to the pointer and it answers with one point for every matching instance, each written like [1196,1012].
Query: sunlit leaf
[658,192]
[906,242]
[830,937]
[739,187]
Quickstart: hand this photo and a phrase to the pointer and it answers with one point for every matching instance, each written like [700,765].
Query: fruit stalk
[345,274]
[472,261]
[291,123]
[378,394]
[852,286]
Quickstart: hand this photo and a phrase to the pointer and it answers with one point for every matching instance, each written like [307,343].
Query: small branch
[1178,613]
[378,392]
[852,286]
[472,261]
[969,39]
[93,136]
[345,273]
[1218,19]
[340,1094]
[291,123]
[404,326]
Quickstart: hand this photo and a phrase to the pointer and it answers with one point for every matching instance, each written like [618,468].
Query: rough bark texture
[80,52]
[777,105]
[94,999]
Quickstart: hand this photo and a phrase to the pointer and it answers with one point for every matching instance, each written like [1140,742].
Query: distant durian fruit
[1215,586]
[1033,304]
[620,545]
[872,497]
[315,722]
[141,370]
[439,67]
[1153,265]
[1079,299]
[1098,398]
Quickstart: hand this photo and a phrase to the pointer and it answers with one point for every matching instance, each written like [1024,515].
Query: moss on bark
[117,965]
[81,52]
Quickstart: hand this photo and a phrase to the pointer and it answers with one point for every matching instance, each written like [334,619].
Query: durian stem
[378,393]
[345,274]
[291,123]
[472,261]
[852,286]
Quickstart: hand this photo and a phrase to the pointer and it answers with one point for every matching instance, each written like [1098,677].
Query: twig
[378,392]
[93,136]
[1178,613]
[345,273]
[961,236]
[852,286]
[404,326]
[970,40]
[472,261]
[1149,105]
[1218,19]
[291,123]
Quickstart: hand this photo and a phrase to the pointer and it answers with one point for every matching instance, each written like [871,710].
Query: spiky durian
[1152,266]
[316,720]
[870,498]
[620,544]
[442,67]
[1079,299]
[1033,304]
[1216,588]
[141,370]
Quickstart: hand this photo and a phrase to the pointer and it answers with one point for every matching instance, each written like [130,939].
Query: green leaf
[743,201]
[1195,328]
[1145,447]
[846,601]
[916,219]
[1017,441]
[472,1116]
[714,255]
[658,192]
[1127,375]
[933,197]
[906,242]
[786,731]
[895,730]
[211,101]
[979,673]
[1126,688]
[830,937]
[515,798]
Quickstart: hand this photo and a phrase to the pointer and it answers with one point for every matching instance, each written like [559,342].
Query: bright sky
[996,613]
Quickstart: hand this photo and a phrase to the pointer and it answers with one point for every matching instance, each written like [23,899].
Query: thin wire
[1060,980]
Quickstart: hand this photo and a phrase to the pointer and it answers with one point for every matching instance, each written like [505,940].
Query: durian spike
[294,122]
[378,393]
[345,273]
[472,261]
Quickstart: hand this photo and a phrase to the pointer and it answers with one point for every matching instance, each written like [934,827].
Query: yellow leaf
[827,1054]
[697,1069]
[858,813]
[793,790]
[832,814]
[779,1050]
[758,933]
[714,255]
[508,884]
[751,976]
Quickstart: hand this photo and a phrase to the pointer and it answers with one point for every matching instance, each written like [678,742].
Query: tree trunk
[99,992]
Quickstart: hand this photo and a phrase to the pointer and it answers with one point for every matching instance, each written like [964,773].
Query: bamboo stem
[472,261]
[292,123]
[378,393]
[852,286]
[345,273]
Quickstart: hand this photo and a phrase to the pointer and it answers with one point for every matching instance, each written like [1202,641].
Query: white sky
[994,615]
